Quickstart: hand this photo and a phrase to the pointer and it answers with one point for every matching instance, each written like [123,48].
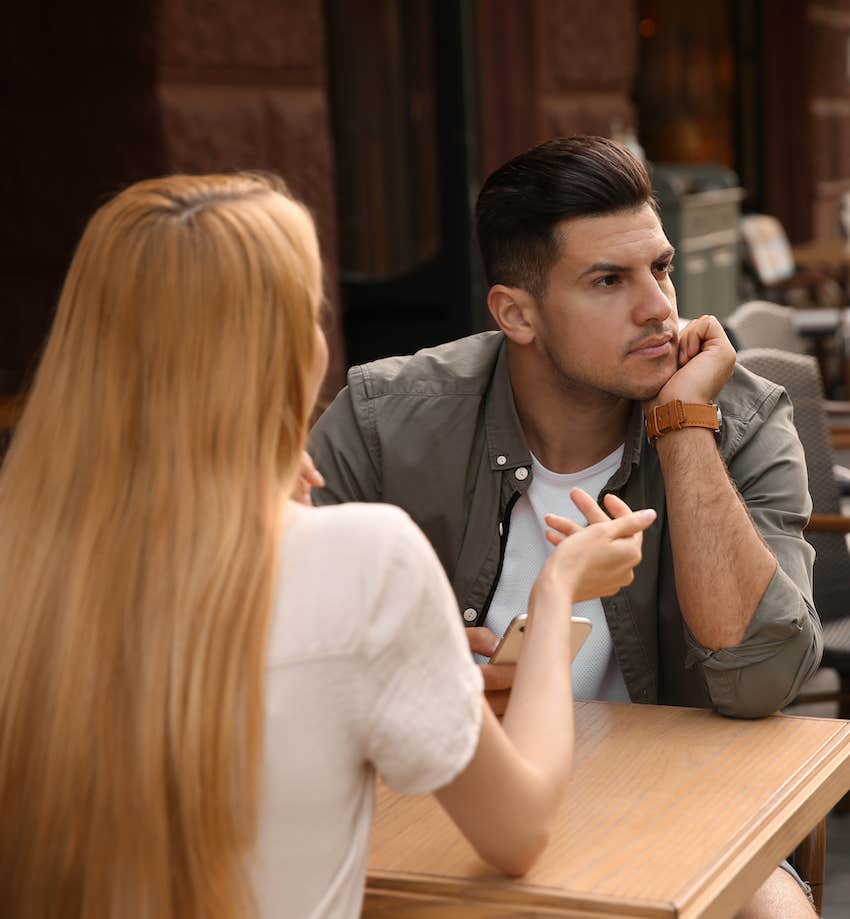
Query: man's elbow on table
[759,689]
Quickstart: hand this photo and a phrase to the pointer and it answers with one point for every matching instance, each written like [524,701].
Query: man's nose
[653,304]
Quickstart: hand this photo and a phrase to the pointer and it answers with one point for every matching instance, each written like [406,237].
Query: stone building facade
[103,94]
[109,93]
[824,113]
[549,69]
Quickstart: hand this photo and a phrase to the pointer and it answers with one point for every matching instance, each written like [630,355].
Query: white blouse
[368,669]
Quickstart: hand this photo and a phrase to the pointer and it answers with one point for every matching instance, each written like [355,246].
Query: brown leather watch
[675,415]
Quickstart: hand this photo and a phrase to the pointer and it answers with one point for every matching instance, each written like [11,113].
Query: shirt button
[470,615]
[501,530]
[521,473]
[501,460]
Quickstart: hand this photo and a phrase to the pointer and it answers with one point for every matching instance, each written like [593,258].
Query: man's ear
[514,310]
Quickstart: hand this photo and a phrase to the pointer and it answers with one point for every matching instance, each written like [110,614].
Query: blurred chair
[761,324]
[769,261]
[826,530]
[844,214]
[768,249]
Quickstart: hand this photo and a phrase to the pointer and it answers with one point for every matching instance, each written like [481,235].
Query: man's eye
[664,268]
[608,281]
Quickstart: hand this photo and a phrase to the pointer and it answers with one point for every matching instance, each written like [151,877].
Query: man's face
[608,321]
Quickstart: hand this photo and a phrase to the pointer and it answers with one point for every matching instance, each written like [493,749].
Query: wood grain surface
[822,253]
[670,812]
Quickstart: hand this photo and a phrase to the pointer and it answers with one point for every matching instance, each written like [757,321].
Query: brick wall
[78,123]
[552,68]
[105,94]
[828,28]
[243,86]
[805,49]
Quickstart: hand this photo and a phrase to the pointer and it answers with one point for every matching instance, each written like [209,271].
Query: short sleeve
[424,691]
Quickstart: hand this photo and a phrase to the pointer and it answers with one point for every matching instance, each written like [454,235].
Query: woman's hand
[308,478]
[599,559]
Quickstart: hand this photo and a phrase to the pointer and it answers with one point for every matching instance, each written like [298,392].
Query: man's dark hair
[522,202]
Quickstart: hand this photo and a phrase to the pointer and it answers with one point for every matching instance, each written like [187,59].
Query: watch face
[719,417]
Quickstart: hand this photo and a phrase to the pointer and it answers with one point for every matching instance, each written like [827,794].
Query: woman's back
[368,667]
[140,503]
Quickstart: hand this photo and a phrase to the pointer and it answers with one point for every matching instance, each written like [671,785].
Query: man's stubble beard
[604,391]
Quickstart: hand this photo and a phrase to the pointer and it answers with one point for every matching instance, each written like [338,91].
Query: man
[478,439]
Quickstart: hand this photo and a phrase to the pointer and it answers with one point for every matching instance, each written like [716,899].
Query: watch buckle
[667,417]
[678,422]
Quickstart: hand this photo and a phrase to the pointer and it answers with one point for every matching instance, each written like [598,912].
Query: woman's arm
[506,798]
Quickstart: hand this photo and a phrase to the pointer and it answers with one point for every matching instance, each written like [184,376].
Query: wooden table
[671,812]
[822,253]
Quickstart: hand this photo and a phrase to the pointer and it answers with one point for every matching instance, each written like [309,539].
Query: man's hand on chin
[498,678]
[706,360]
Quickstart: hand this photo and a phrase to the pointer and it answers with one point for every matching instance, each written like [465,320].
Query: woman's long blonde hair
[139,515]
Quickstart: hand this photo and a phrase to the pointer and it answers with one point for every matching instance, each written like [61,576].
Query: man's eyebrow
[612,268]
[603,267]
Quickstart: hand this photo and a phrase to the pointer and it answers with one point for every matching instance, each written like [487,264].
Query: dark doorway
[402,92]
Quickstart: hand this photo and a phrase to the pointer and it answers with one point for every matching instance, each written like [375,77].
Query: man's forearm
[721,563]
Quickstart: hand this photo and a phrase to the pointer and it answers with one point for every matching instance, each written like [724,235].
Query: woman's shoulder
[352,562]
[381,536]
[383,523]
[350,513]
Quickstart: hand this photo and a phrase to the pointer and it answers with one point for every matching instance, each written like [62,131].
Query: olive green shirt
[437,433]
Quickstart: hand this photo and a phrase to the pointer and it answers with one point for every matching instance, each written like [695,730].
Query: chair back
[844,214]
[799,375]
[768,248]
[760,324]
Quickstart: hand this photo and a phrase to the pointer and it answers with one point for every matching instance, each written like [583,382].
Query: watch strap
[675,415]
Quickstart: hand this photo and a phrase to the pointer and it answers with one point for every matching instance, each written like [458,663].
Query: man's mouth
[656,346]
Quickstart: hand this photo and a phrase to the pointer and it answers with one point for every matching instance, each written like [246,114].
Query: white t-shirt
[368,669]
[596,673]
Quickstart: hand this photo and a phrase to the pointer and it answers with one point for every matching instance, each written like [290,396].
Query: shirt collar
[633,446]
[506,445]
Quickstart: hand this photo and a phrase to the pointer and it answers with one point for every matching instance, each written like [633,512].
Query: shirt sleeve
[783,643]
[345,449]
[425,693]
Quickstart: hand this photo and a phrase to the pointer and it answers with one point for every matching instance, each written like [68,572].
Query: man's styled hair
[523,201]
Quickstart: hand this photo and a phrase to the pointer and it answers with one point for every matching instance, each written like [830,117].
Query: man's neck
[568,427]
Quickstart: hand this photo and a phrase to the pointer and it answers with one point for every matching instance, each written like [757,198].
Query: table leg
[810,861]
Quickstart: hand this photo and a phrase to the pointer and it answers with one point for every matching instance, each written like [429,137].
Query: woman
[197,677]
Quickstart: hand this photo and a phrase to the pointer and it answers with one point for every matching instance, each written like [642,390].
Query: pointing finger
[562,524]
[615,506]
[593,513]
[632,523]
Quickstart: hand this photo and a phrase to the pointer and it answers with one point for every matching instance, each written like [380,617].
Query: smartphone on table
[507,651]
